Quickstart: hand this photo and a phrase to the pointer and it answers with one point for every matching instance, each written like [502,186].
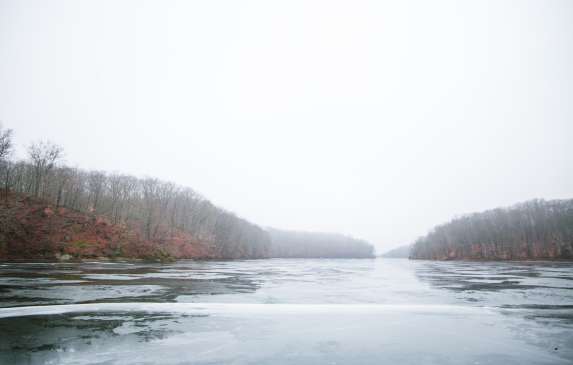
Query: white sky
[371,118]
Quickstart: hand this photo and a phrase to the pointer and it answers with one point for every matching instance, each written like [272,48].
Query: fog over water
[376,119]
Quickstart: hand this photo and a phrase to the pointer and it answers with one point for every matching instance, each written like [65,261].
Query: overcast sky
[377,119]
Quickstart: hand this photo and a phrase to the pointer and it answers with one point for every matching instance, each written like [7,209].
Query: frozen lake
[384,311]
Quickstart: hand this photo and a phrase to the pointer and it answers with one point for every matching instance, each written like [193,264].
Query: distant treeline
[398,253]
[535,229]
[295,244]
[157,210]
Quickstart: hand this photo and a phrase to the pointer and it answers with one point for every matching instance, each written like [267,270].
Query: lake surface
[384,311]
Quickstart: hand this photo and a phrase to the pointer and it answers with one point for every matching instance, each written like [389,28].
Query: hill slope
[535,229]
[153,210]
[32,229]
[49,209]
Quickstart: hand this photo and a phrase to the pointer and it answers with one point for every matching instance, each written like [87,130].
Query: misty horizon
[377,120]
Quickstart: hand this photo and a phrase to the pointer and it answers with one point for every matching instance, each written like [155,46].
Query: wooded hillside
[42,195]
[535,229]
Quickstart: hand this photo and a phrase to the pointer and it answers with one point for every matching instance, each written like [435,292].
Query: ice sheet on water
[215,333]
[80,293]
[235,309]
[187,275]
[290,312]
[15,281]
[111,277]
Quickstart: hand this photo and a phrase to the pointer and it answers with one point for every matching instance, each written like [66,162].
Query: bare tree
[44,155]
[96,183]
[62,179]
[6,148]
[150,189]
[6,144]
